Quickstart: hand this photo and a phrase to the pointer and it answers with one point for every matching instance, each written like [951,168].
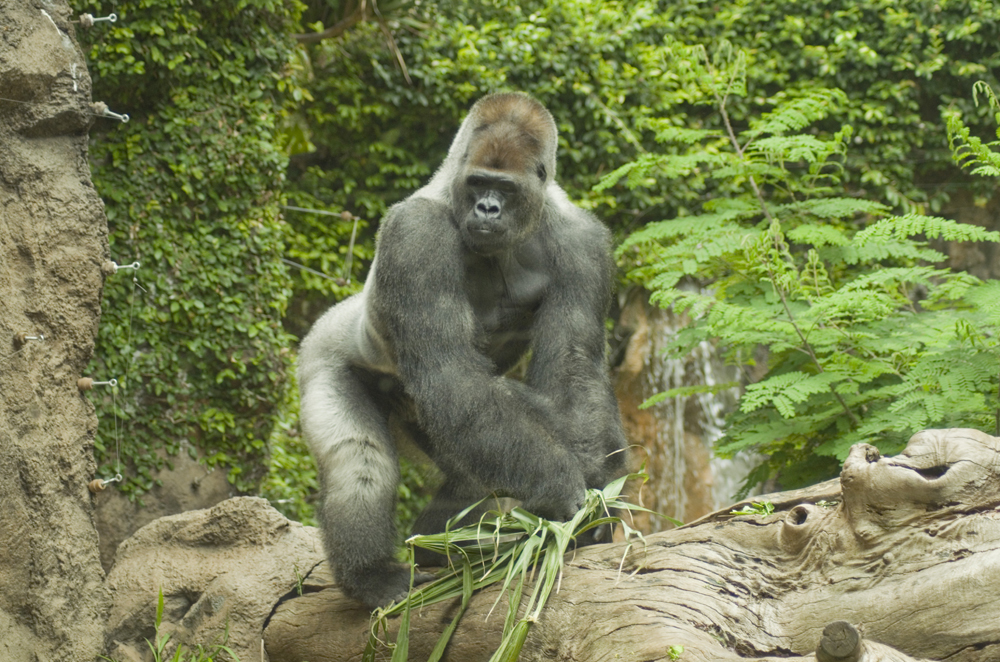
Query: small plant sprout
[762,508]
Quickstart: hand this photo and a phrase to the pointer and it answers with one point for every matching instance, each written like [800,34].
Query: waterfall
[676,436]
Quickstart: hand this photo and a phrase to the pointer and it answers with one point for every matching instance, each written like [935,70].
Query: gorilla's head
[506,152]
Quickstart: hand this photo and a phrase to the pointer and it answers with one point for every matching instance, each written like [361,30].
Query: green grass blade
[442,642]
[373,640]
[401,652]
[510,649]
[511,549]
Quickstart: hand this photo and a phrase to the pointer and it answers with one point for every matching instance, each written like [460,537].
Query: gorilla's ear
[541,171]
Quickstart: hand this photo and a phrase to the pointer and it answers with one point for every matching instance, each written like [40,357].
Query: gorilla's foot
[380,584]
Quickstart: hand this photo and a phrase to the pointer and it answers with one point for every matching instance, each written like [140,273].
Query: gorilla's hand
[561,493]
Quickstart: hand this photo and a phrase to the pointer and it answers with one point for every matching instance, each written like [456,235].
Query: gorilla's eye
[541,171]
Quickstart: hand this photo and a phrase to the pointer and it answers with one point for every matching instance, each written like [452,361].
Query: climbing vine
[191,189]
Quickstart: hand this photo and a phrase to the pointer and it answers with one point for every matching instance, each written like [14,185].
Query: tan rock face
[224,567]
[53,239]
[183,484]
[673,439]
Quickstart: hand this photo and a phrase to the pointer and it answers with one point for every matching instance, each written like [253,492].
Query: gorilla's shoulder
[416,233]
[575,226]
[416,220]
[419,206]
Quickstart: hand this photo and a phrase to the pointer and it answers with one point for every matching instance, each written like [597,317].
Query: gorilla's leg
[358,473]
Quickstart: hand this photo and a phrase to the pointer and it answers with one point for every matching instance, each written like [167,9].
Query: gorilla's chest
[504,294]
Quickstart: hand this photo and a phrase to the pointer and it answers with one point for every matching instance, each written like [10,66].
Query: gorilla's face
[500,190]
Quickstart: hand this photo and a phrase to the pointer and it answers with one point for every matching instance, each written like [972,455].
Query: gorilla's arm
[568,362]
[483,426]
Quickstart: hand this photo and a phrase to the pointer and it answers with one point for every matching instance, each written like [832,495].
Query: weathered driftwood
[898,560]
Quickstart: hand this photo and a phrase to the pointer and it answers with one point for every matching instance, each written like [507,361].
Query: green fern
[968,150]
[867,338]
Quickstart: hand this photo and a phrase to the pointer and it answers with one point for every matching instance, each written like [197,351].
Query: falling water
[677,435]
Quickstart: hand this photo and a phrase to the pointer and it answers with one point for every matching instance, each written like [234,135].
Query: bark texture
[53,240]
[905,551]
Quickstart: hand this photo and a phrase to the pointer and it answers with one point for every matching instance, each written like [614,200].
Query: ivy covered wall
[191,186]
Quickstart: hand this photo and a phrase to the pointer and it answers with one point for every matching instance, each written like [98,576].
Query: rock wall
[182,485]
[222,573]
[53,240]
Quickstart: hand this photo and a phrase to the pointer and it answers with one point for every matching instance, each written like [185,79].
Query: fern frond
[702,224]
[834,207]
[815,234]
[905,250]
[796,113]
[867,340]
[891,277]
[950,289]
[986,298]
[766,428]
[688,391]
[784,391]
[666,132]
[860,370]
[933,227]
[648,167]
[969,151]
[854,303]
[801,147]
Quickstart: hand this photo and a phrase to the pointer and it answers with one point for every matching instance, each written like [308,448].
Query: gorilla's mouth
[485,238]
[485,228]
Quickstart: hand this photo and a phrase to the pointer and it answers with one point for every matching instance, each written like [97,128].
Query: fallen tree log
[898,560]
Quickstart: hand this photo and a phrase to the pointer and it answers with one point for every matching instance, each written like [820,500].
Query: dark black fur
[487,262]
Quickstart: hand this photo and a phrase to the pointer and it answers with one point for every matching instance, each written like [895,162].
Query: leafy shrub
[900,63]
[867,340]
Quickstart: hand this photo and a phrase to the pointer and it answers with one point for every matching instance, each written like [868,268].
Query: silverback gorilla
[486,263]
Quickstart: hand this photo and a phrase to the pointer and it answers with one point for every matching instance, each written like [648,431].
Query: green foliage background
[191,188]
[615,77]
[868,336]
[231,120]
[603,69]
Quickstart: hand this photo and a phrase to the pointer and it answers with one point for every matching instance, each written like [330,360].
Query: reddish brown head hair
[508,129]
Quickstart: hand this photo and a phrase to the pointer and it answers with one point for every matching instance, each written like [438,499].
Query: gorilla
[488,263]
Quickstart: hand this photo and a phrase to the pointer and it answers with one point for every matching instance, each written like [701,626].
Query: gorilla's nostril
[486,209]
